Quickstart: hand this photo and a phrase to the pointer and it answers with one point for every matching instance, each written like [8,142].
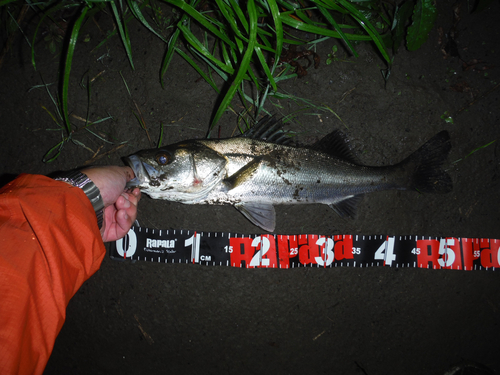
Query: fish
[262,168]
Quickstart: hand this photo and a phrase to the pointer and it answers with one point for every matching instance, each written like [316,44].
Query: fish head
[185,172]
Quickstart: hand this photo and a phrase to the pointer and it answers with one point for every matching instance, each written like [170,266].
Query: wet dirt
[157,318]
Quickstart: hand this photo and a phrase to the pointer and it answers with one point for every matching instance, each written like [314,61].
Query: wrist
[82,181]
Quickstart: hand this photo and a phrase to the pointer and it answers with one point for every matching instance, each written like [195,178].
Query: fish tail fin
[426,165]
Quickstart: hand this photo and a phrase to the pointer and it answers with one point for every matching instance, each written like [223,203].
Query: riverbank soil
[157,318]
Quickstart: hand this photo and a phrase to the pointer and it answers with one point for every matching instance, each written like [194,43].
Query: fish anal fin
[347,207]
[259,213]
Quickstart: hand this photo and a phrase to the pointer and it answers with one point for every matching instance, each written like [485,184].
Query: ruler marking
[165,243]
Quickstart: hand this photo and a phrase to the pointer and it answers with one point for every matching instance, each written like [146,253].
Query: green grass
[54,152]
[249,37]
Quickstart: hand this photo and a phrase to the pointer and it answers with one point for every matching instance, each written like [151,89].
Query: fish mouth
[144,173]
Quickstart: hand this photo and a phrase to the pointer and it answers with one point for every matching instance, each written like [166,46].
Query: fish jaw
[141,171]
[146,178]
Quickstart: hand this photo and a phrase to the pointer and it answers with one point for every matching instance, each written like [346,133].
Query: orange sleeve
[49,245]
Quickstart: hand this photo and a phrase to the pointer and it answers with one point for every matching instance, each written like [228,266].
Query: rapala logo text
[166,244]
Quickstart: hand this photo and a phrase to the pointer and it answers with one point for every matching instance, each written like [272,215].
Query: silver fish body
[253,174]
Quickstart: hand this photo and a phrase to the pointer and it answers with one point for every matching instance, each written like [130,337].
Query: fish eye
[162,158]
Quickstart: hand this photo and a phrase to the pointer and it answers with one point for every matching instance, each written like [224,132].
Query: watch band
[80,180]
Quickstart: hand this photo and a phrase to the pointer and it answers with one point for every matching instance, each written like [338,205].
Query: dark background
[156,318]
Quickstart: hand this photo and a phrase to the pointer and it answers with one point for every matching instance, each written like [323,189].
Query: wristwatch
[80,180]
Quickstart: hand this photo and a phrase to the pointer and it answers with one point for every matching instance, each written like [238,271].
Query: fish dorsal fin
[268,129]
[336,144]
[347,207]
[259,213]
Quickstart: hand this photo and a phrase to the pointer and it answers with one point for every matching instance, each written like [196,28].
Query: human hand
[120,206]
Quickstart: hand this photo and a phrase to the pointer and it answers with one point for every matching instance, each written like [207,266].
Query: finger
[124,222]
[128,203]
[132,212]
[133,197]
[123,202]
[137,193]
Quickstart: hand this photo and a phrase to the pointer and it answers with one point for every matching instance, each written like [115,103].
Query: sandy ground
[156,318]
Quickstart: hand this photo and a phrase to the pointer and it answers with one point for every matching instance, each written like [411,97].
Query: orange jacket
[49,245]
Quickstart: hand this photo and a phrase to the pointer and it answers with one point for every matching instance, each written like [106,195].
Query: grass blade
[214,67]
[198,46]
[171,48]
[5,2]
[42,19]
[239,13]
[123,31]
[365,24]
[296,24]
[57,147]
[278,28]
[198,69]
[160,139]
[67,66]
[197,16]
[264,65]
[335,25]
[125,83]
[230,19]
[136,11]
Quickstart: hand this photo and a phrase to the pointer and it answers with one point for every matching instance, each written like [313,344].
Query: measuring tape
[306,250]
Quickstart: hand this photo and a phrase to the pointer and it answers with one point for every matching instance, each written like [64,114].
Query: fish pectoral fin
[347,207]
[260,214]
[243,174]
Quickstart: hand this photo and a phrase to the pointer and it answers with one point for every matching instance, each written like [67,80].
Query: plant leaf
[5,2]
[278,28]
[335,25]
[67,66]
[57,149]
[365,24]
[299,25]
[192,12]
[424,16]
[122,29]
[198,69]
[136,11]
[198,46]
[403,14]
[244,64]
[170,51]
